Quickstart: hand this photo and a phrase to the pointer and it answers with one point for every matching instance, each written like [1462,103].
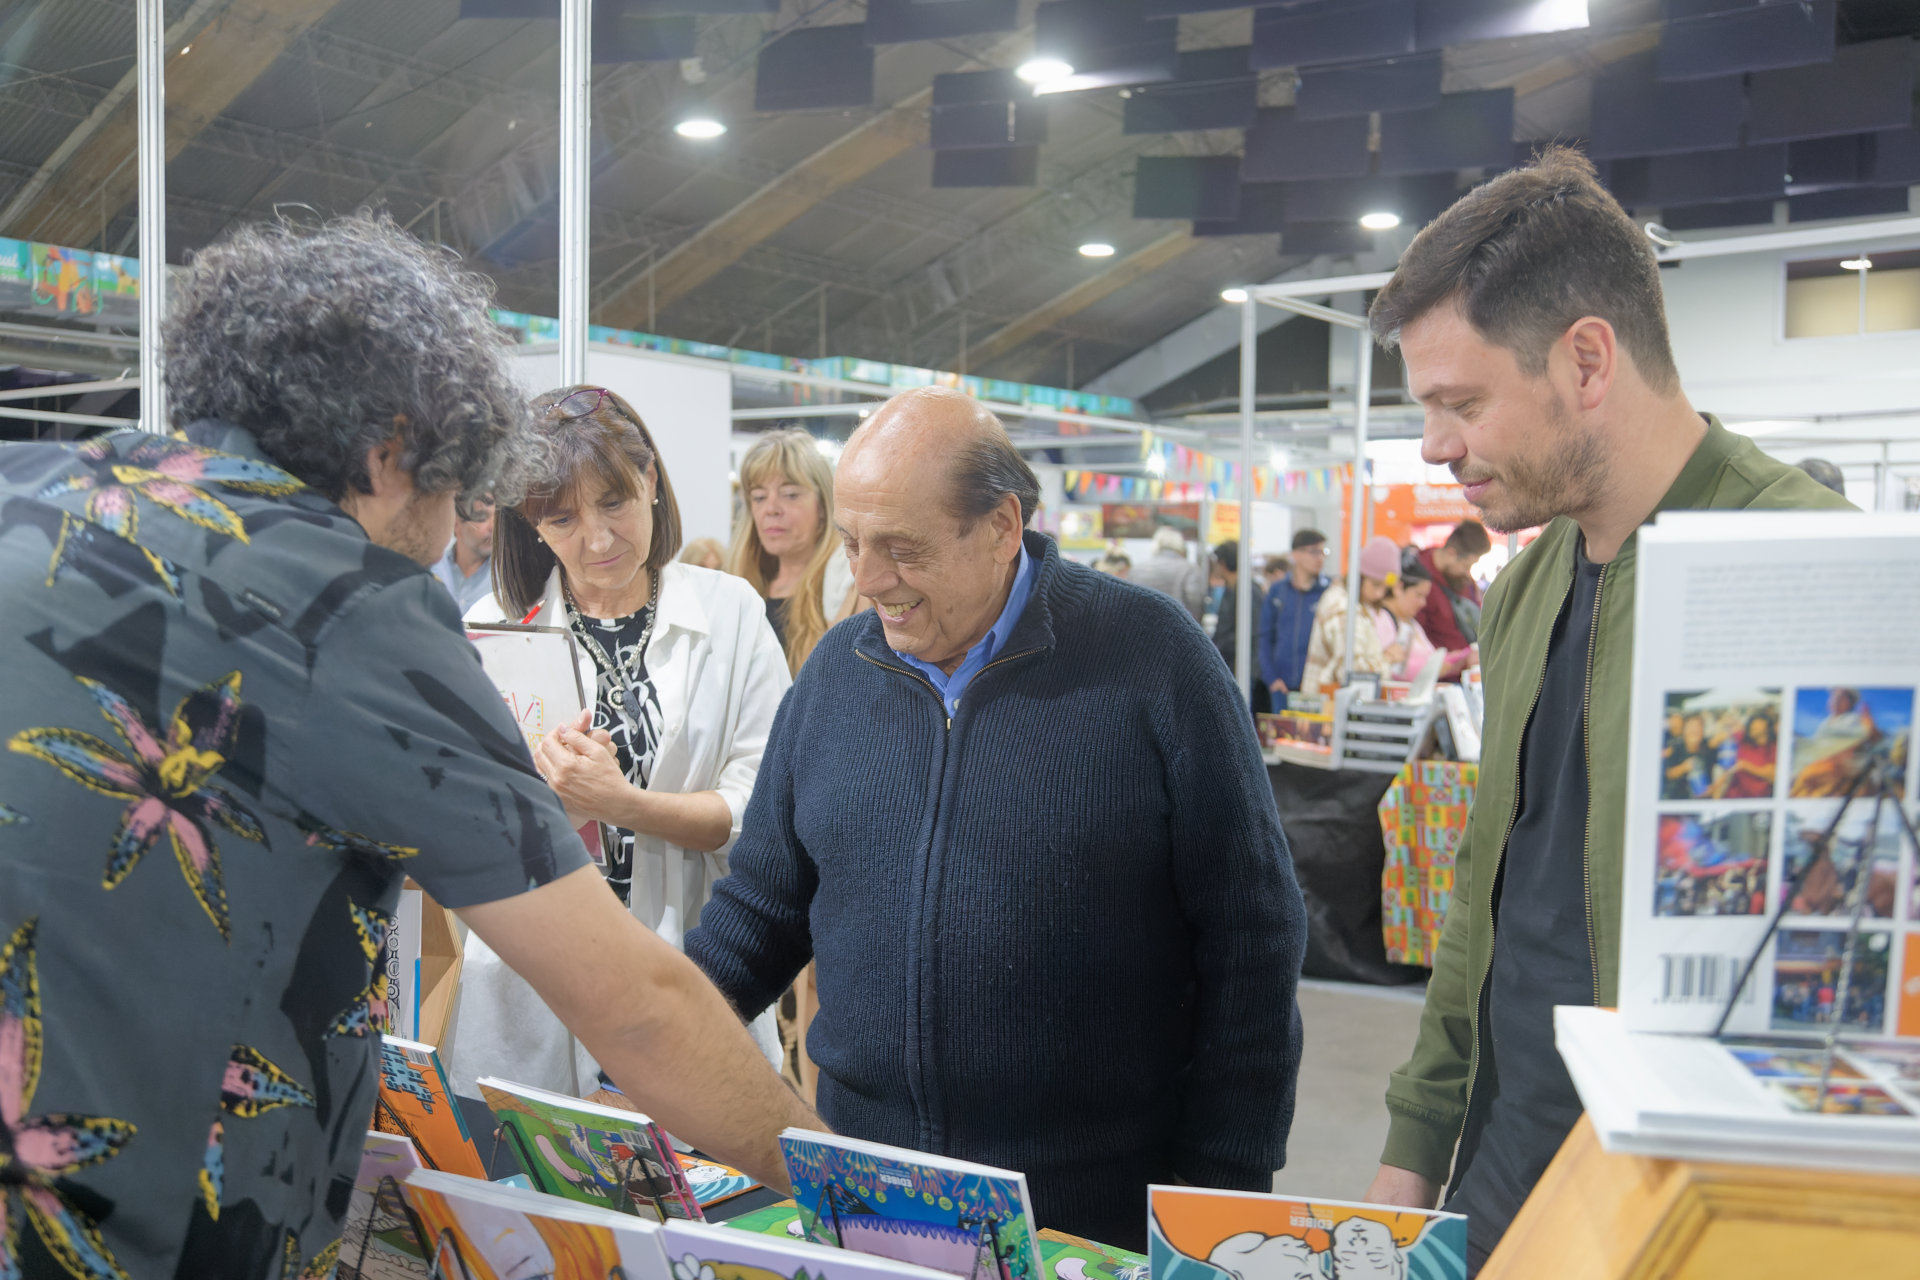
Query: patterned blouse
[635,739]
[233,726]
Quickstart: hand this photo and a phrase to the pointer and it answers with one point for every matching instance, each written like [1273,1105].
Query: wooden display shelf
[1596,1216]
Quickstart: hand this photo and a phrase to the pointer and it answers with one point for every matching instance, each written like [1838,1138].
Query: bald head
[931,498]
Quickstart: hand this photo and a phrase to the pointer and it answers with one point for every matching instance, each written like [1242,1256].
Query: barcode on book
[1695,979]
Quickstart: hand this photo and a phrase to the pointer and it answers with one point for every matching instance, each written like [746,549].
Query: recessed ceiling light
[1041,70]
[185,49]
[1096,249]
[700,128]
[1233,295]
[1381,221]
[1156,465]
[1861,263]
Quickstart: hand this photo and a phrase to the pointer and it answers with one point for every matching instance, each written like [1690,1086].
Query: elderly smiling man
[1017,815]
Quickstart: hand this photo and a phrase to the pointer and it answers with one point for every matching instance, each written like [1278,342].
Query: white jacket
[720,676]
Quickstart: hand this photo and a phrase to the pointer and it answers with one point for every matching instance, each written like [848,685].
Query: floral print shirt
[233,726]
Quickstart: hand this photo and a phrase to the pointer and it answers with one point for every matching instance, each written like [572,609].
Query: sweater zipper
[1586,746]
[1513,819]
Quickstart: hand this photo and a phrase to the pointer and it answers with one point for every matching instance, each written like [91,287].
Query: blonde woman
[784,542]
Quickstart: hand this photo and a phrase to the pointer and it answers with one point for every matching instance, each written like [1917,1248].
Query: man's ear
[1594,350]
[1007,529]
[385,476]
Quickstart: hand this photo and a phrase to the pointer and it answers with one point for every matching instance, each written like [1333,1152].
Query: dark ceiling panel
[987,167]
[1282,147]
[1723,213]
[1411,83]
[1174,8]
[1754,38]
[815,67]
[1262,212]
[897,21]
[1418,200]
[1335,239]
[1466,131]
[1866,87]
[963,87]
[1445,22]
[1635,114]
[623,37]
[1878,19]
[1742,173]
[1859,202]
[1341,31]
[1195,188]
[1891,157]
[990,124]
[1212,89]
[1108,42]
[1822,163]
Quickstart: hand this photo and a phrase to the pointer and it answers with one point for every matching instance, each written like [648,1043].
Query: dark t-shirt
[1524,1104]
[777,619]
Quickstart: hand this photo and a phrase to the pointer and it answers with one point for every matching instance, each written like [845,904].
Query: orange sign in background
[1405,512]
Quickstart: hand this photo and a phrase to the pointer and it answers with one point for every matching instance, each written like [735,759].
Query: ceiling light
[700,128]
[1861,263]
[1041,70]
[1096,249]
[1381,221]
[185,49]
[829,449]
[1156,465]
[1233,295]
[1278,458]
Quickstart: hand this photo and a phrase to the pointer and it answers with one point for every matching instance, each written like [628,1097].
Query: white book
[525,1235]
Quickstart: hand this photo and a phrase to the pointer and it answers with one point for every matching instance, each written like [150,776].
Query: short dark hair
[1308,538]
[1824,472]
[1469,538]
[327,341]
[1527,254]
[985,471]
[1228,554]
[611,445]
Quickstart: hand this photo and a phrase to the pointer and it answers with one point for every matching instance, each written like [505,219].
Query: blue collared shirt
[950,687]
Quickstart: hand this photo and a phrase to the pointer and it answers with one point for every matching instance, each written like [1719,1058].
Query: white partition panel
[687,406]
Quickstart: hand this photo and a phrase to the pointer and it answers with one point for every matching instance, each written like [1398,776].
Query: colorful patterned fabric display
[1422,817]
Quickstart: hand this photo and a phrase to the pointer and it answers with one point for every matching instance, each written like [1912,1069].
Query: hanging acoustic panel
[1635,114]
[1211,89]
[1108,43]
[1865,88]
[898,21]
[1417,200]
[1819,164]
[1891,157]
[962,87]
[1721,213]
[1445,22]
[1857,202]
[1192,188]
[1411,83]
[987,167]
[1741,173]
[1753,38]
[1281,147]
[815,67]
[989,124]
[1332,31]
[1174,8]
[1334,239]
[1263,211]
[1466,131]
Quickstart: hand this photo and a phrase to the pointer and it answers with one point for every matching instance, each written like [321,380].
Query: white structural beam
[576,75]
[1243,666]
[150,53]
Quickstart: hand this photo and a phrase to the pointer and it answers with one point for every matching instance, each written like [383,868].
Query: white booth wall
[687,406]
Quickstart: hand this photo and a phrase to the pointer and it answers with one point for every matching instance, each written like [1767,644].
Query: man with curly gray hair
[189,1044]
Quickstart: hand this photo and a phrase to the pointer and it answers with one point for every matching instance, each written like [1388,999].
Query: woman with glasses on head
[685,677]
[784,542]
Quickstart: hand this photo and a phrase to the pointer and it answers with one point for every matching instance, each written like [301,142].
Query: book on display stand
[1770,923]
[595,1155]
[416,1101]
[1197,1233]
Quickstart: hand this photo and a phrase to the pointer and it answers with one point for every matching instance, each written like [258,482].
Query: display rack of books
[1422,819]
[1376,735]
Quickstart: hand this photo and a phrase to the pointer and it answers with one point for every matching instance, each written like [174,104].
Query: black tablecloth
[1332,822]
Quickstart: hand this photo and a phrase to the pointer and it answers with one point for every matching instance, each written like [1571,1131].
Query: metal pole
[1243,668]
[1362,404]
[576,81]
[150,25]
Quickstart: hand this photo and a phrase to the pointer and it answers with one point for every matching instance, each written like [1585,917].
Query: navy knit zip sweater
[1060,934]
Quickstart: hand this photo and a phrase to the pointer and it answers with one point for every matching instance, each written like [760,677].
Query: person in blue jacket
[1286,616]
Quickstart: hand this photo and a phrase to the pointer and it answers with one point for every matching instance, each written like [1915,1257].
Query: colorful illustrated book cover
[712,1182]
[1062,1257]
[697,1251]
[484,1231]
[964,1219]
[376,1239]
[416,1101]
[591,1154]
[1196,1234]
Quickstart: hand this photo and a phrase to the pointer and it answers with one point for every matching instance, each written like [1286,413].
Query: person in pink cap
[1374,647]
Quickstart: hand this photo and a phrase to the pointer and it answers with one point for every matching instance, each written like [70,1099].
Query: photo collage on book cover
[1751,783]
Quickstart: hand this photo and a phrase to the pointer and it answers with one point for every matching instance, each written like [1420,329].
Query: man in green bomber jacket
[1530,319]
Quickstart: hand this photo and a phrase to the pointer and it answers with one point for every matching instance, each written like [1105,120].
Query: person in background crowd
[235,730]
[1530,320]
[1277,566]
[1375,647]
[1286,616]
[1226,573]
[1403,603]
[1115,563]
[1170,572]
[1824,472]
[705,553]
[685,678]
[465,571]
[784,543]
[1451,615]
[960,928]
